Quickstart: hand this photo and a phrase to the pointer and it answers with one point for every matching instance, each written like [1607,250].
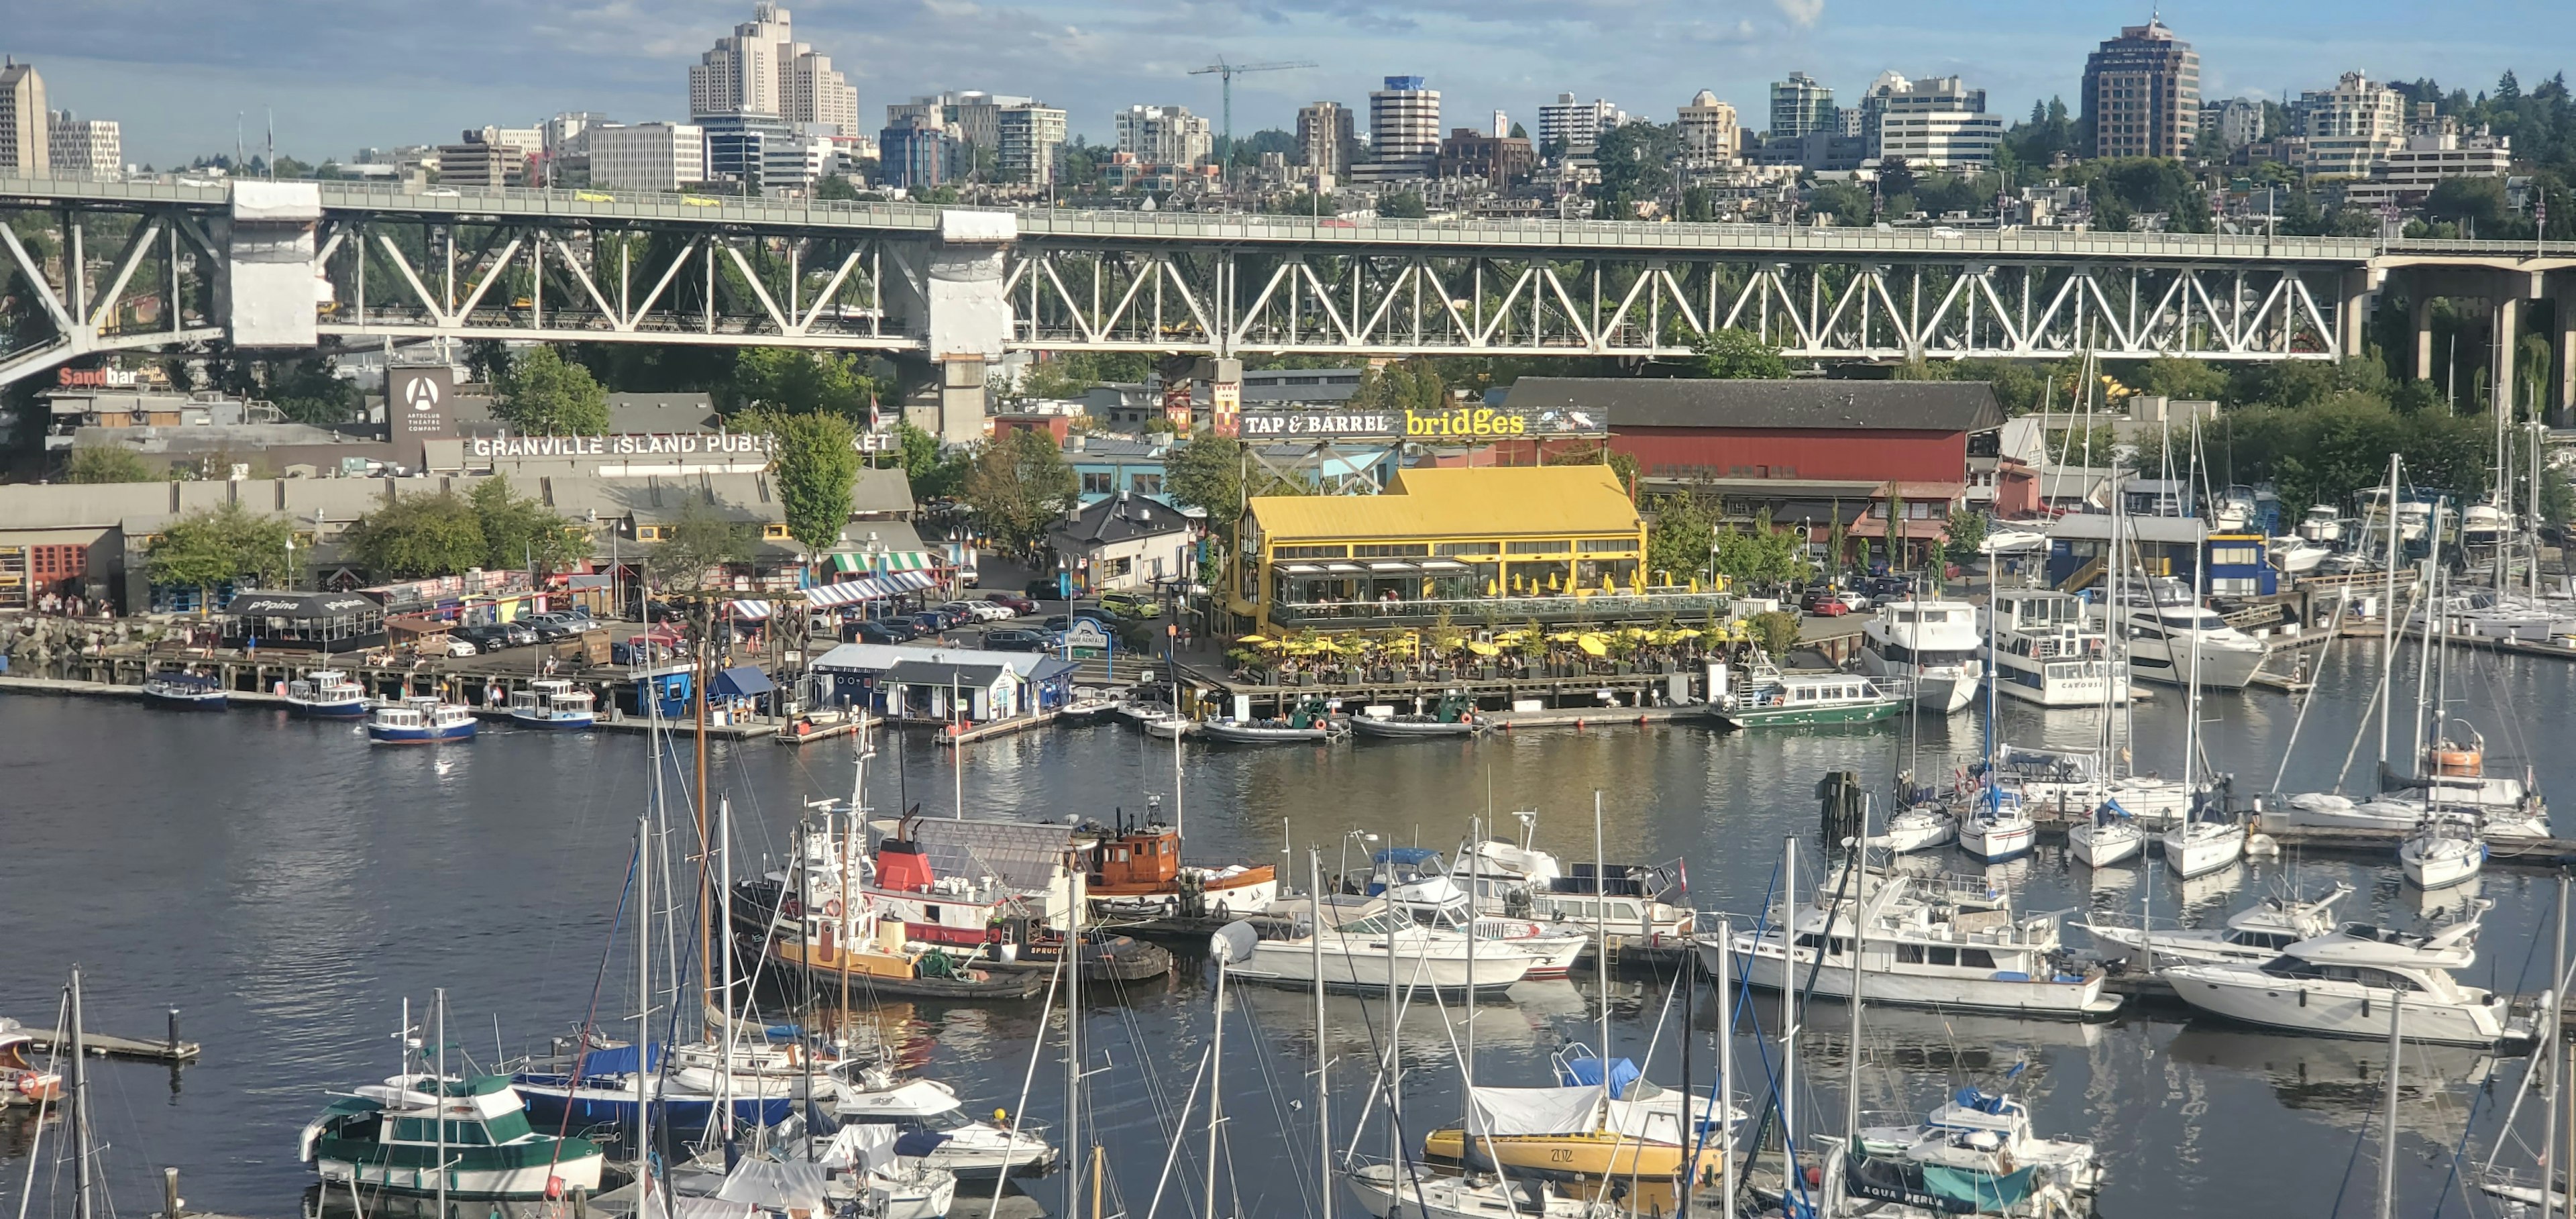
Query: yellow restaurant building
[1516,543]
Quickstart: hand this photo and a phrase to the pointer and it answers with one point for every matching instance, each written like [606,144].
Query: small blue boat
[419,720]
[177,691]
[327,694]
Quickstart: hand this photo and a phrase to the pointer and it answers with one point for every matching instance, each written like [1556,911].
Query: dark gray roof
[942,673]
[1925,406]
[674,412]
[1119,518]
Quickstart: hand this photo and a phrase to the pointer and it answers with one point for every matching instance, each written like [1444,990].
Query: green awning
[892,560]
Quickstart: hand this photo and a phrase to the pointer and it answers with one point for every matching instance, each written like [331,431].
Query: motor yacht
[974,1148]
[2042,649]
[1637,905]
[1378,953]
[1934,643]
[2292,555]
[1943,942]
[387,1137]
[2166,642]
[1985,1121]
[1415,882]
[2322,524]
[2252,936]
[2340,984]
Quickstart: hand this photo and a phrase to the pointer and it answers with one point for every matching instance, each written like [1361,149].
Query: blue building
[912,153]
[739,147]
[1109,465]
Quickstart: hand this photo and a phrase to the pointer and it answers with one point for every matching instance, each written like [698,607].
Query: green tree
[523,533]
[1405,385]
[2111,214]
[417,536]
[542,395]
[1402,205]
[1846,203]
[1765,554]
[836,189]
[1636,164]
[226,545]
[107,463]
[786,380]
[1017,486]
[1967,535]
[1776,631]
[1206,472]
[1734,353]
[308,391]
[815,461]
[932,475]
[1682,541]
[698,539]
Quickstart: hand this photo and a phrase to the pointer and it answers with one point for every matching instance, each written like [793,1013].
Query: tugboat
[178,691]
[1454,716]
[419,719]
[386,1137]
[326,694]
[1138,870]
[872,955]
[552,702]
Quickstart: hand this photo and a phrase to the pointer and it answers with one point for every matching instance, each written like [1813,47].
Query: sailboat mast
[2555,1044]
[1072,1047]
[2388,615]
[1323,1052]
[724,918]
[1216,1080]
[1475,897]
[82,1206]
[1860,931]
[1725,1108]
[438,1100]
[2388,1127]
[1601,945]
[1789,1005]
[706,936]
[643,1010]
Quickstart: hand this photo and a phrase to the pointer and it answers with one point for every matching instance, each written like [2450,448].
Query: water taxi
[419,720]
[1771,699]
[326,694]
[176,691]
[552,702]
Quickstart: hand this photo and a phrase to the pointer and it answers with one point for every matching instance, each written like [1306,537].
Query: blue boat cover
[1586,1073]
[918,1142]
[742,681]
[618,1061]
[1412,856]
[1979,1100]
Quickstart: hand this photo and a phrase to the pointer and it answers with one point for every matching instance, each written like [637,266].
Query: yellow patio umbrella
[1636,632]
[1607,585]
[1254,639]
[1490,588]
[1688,632]
[1481,648]
[1562,637]
[1591,645]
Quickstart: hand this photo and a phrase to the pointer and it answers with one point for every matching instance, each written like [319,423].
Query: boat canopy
[1527,1112]
[742,681]
[1586,1073]
[775,1186]
[619,1060]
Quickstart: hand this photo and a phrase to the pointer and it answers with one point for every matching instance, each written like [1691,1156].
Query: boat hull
[1870,712]
[1238,734]
[553,1103]
[215,700]
[2332,1009]
[2431,868]
[1564,1157]
[2191,853]
[2220,668]
[2100,846]
[1292,964]
[1405,730]
[556,721]
[1998,842]
[2076,1000]
[349,709]
[2051,683]
[383,735]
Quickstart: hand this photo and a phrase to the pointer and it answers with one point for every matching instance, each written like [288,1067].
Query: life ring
[791,908]
[832,908]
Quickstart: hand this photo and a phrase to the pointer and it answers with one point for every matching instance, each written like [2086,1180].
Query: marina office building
[1487,544]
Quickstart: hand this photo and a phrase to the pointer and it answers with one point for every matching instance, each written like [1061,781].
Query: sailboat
[2111,836]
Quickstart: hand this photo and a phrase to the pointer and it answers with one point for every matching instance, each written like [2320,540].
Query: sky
[184,76]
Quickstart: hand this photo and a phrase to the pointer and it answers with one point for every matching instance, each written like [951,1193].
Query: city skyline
[184,73]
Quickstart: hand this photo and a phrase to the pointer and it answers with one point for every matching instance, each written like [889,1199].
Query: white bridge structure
[96,267]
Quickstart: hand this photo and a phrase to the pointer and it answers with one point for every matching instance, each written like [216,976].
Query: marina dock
[170,1050]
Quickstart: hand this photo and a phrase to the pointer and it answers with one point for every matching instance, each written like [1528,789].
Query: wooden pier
[168,1050]
[2502,852]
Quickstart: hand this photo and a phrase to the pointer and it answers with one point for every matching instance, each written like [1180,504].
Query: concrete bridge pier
[951,287]
[2504,289]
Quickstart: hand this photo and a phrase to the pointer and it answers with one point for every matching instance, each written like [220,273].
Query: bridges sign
[1469,425]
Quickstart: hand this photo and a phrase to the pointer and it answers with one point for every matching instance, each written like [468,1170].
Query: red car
[1017,603]
[1825,603]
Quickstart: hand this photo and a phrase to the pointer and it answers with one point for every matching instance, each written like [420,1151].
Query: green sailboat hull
[1870,712]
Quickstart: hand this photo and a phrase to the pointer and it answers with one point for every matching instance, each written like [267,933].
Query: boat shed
[865,674]
[323,622]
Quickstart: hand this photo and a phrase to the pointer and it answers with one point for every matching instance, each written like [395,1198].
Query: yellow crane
[1225,74]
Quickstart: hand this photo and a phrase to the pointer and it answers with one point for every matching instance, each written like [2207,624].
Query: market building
[1500,544]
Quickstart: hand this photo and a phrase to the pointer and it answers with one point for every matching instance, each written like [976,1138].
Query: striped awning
[867,588]
[848,562]
[751,611]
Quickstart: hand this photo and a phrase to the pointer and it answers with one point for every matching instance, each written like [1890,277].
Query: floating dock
[170,1050]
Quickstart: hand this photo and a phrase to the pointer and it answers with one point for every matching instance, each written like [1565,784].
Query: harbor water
[287,887]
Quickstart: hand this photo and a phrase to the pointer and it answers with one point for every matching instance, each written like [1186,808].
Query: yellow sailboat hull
[1601,1154]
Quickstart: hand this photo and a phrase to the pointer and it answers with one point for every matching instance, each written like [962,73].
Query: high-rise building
[912,152]
[739,147]
[1499,160]
[1800,106]
[1327,139]
[1861,121]
[761,69]
[1404,130]
[976,115]
[2352,125]
[1029,137]
[1708,127]
[2142,93]
[26,143]
[1574,126]
[1936,122]
[477,161]
[84,148]
[647,156]
[1165,135]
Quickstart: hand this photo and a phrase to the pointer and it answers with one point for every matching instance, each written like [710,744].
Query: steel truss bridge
[96,267]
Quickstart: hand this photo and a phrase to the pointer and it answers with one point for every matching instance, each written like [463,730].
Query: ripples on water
[287,886]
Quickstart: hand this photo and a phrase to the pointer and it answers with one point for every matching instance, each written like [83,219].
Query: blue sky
[348,73]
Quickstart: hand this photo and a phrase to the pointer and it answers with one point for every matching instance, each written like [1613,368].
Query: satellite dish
[1232,943]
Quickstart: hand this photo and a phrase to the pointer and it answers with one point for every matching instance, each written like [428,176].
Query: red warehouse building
[1720,435]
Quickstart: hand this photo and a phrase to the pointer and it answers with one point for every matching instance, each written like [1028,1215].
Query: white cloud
[1801,13]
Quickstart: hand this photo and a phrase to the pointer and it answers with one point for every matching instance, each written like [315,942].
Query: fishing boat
[1137,869]
[2445,849]
[1601,1120]
[2251,936]
[173,690]
[326,694]
[1944,942]
[419,719]
[387,1137]
[1933,644]
[2110,836]
[2341,984]
[22,1082]
[1454,715]
[552,702]
[927,1114]
[1310,722]
[2043,649]
[1771,699]
[871,954]
[1376,954]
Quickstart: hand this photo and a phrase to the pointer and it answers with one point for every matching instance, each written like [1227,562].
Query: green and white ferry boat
[1768,698]
[386,1136]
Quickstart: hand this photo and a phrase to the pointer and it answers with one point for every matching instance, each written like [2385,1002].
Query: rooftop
[1481,502]
[1914,406]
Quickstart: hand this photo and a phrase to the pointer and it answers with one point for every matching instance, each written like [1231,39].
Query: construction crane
[1225,74]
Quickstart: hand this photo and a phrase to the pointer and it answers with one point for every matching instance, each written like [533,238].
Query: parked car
[460,647]
[551,627]
[1824,603]
[874,632]
[487,637]
[1015,640]
[902,629]
[930,622]
[1130,605]
[662,611]
[1013,602]
[1889,588]
[1064,622]
[980,611]
[1854,600]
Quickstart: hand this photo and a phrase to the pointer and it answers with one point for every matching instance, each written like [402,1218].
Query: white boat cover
[771,1185]
[866,1146]
[1507,1112]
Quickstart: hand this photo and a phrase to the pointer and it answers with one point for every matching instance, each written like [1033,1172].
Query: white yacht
[2252,936]
[1919,827]
[552,702]
[2321,524]
[1635,907]
[1944,942]
[1414,881]
[2110,836]
[930,1111]
[2164,642]
[2042,649]
[2340,984]
[2292,555]
[1378,953]
[2483,525]
[2445,849]
[1934,643]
